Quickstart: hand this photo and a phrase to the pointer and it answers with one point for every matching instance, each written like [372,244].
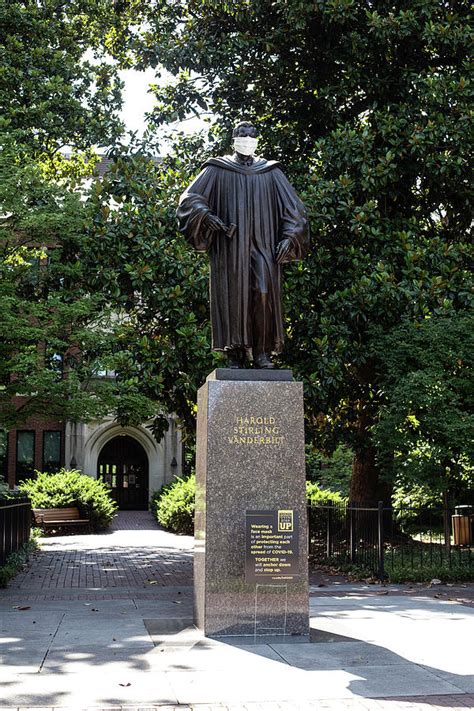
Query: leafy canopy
[58,87]
[368,106]
[56,332]
[429,401]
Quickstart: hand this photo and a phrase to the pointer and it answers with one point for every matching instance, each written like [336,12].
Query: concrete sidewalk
[93,615]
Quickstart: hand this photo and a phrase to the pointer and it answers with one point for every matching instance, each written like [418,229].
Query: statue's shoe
[235,358]
[263,361]
[235,363]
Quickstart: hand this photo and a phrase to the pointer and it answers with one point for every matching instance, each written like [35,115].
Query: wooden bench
[59,518]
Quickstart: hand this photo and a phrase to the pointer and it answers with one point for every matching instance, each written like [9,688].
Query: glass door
[123,465]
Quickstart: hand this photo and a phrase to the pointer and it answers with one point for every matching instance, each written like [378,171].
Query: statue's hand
[283,250]
[213,223]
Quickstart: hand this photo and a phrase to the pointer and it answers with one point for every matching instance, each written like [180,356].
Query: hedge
[72,488]
[173,505]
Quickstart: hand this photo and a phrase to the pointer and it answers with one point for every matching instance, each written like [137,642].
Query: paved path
[89,620]
[124,563]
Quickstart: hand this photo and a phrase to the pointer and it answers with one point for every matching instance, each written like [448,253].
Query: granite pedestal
[251,568]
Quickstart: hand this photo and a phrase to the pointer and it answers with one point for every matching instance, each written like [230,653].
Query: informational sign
[271,545]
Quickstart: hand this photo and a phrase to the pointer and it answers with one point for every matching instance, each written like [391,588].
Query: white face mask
[245,145]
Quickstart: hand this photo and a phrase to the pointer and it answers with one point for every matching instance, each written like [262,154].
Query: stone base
[250,457]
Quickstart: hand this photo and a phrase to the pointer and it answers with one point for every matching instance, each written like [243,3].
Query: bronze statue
[243,211]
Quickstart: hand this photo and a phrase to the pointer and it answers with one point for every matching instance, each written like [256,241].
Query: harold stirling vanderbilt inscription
[256,429]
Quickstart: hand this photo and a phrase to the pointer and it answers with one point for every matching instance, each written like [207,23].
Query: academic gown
[260,201]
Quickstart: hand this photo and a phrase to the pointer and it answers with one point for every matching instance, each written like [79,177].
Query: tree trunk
[446,521]
[365,476]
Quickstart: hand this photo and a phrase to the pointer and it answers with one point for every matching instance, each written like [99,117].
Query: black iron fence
[385,539]
[15,525]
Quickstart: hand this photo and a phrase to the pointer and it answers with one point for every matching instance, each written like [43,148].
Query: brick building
[129,459]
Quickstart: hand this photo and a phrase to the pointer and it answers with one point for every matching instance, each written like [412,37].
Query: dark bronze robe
[260,201]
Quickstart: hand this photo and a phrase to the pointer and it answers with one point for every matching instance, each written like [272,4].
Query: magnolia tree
[367,107]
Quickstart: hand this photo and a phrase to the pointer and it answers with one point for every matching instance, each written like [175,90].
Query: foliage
[57,86]
[330,472]
[5,491]
[17,560]
[58,90]
[454,574]
[152,279]
[315,498]
[57,331]
[409,501]
[322,497]
[399,573]
[427,416]
[423,497]
[71,488]
[173,505]
[369,108]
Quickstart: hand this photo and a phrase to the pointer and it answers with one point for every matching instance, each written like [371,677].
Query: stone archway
[123,465]
[95,436]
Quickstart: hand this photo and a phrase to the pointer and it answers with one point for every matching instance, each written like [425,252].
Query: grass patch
[418,564]
[422,562]
[455,574]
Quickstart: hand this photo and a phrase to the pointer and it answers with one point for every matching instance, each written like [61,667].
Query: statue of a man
[243,211]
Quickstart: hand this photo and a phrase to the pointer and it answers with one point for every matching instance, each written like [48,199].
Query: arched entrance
[123,464]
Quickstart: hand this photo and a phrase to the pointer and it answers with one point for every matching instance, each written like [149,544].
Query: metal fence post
[447,526]
[328,531]
[381,552]
[15,524]
[352,533]
[308,523]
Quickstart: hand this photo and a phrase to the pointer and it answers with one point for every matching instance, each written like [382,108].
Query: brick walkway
[125,563]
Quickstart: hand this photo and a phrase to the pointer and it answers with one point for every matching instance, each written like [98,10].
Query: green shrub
[4,488]
[323,497]
[72,488]
[173,505]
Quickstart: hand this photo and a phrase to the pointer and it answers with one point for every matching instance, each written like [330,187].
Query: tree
[143,269]
[369,107]
[428,416]
[57,86]
[56,333]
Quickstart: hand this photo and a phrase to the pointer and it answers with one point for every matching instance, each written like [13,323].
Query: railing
[384,539]
[15,525]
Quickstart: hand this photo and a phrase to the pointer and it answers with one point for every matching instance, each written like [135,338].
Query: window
[51,451]
[25,454]
[104,373]
[3,453]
